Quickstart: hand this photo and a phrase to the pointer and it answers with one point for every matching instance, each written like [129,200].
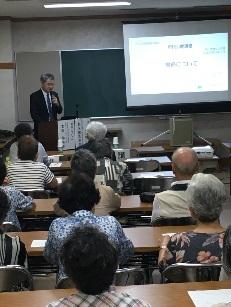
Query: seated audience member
[83,161]
[12,250]
[17,201]
[205,194]
[90,261]
[21,130]
[114,171]
[78,196]
[172,203]
[226,256]
[94,131]
[27,174]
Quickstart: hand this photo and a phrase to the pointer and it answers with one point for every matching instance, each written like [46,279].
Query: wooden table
[165,174]
[152,150]
[28,237]
[64,169]
[168,295]
[129,204]
[148,239]
[144,239]
[132,203]
[43,207]
[67,154]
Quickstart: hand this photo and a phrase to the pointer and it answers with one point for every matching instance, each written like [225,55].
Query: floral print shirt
[60,228]
[18,201]
[194,247]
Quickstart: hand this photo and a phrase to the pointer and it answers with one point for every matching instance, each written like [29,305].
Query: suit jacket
[38,109]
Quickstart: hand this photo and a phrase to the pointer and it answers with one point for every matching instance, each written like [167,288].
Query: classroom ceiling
[34,8]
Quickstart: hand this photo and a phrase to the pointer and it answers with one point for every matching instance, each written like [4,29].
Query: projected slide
[179,64]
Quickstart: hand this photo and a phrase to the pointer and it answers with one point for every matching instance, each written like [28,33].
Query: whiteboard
[29,67]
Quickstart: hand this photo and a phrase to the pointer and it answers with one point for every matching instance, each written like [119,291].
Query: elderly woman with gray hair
[205,194]
[96,131]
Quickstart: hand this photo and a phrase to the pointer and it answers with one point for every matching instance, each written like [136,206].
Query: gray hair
[96,131]
[47,76]
[206,194]
[185,161]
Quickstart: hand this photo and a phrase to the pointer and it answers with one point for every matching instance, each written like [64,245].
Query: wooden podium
[48,135]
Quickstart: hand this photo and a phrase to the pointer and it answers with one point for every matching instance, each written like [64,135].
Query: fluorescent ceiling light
[89,4]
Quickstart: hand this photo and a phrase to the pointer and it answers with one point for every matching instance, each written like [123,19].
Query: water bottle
[60,145]
[115,142]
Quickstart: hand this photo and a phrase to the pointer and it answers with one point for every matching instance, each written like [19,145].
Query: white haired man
[172,203]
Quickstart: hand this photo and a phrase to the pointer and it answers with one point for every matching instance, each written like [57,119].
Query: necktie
[49,106]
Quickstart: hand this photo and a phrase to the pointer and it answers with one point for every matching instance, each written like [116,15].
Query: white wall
[7,88]
[95,34]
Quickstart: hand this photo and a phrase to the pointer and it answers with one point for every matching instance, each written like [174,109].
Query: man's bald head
[184,163]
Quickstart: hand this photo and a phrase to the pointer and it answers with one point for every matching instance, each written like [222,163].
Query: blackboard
[94,83]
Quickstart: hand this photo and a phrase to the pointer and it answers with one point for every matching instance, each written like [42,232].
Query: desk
[64,169]
[67,154]
[148,239]
[43,207]
[144,239]
[165,174]
[129,204]
[145,150]
[168,295]
[165,162]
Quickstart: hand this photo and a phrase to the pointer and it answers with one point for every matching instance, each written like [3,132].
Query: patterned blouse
[60,228]
[194,247]
[106,299]
[18,201]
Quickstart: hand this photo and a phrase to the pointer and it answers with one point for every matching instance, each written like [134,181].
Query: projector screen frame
[181,108]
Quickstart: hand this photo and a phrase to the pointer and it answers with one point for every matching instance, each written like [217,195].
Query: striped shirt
[29,175]
[12,251]
[116,175]
[106,299]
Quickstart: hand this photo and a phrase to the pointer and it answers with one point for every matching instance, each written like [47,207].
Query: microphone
[52,93]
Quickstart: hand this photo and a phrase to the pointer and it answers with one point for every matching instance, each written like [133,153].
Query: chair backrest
[147,166]
[9,227]
[15,278]
[64,283]
[188,272]
[129,276]
[154,185]
[38,194]
[123,277]
[175,221]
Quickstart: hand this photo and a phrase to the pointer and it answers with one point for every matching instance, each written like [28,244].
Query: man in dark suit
[44,103]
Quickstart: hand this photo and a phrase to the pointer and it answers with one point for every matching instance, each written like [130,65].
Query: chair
[9,227]
[123,277]
[155,185]
[129,276]
[188,272]
[147,166]
[64,283]
[15,278]
[37,194]
[175,221]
